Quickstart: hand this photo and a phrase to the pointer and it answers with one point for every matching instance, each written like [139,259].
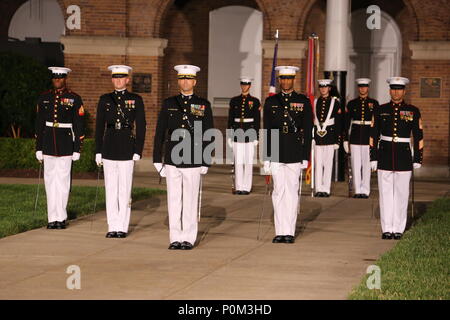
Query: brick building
[154,35]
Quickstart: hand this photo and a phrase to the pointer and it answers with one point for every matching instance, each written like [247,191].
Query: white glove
[160,169]
[346,146]
[39,155]
[75,156]
[255,142]
[136,157]
[266,167]
[204,170]
[230,143]
[416,165]
[98,159]
[373,165]
[336,146]
[304,164]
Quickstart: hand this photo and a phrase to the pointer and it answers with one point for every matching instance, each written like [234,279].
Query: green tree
[22,79]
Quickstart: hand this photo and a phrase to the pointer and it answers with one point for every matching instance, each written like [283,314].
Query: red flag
[312,68]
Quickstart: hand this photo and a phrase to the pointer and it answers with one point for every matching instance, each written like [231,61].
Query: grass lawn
[17,205]
[418,267]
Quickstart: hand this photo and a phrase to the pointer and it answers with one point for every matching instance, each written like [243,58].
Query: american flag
[272,88]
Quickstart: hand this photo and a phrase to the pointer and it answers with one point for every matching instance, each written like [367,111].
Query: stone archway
[185,25]
[43,20]
[376,54]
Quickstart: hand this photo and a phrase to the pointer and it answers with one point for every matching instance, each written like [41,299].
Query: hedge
[20,154]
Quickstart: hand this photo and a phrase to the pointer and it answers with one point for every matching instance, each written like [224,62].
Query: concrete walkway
[338,238]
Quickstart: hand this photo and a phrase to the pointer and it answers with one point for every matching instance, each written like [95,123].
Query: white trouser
[360,162]
[57,186]
[243,165]
[285,196]
[182,202]
[118,184]
[323,167]
[394,193]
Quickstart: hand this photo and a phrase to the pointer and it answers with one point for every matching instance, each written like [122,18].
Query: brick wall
[435,111]
[186,28]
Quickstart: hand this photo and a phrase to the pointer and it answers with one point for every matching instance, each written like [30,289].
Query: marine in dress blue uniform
[59,137]
[244,121]
[394,155]
[119,141]
[358,119]
[290,114]
[183,119]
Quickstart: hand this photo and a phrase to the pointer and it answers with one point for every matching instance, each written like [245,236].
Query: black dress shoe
[318,195]
[326,195]
[245,193]
[186,245]
[238,192]
[121,234]
[111,234]
[356,196]
[60,224]
[289,239]
[175,245]
[386,236]
[398,236]
[51,225]
[278,239]
[365,196]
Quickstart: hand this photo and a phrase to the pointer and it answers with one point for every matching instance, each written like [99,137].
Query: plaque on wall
[430,87]
[142,82]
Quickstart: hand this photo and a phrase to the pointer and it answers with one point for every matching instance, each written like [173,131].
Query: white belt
[243,120]
[395,139]
[58,124]
[327,123]
[362,123]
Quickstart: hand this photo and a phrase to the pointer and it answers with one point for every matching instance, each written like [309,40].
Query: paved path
[338,238]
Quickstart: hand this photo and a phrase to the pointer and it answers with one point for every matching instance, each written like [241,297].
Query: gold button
[395,129]
[286,99]
[184,110]
[285,115]
[185,102]
[182,125]
[117,120]
[119,98]
[285,107]
[284,123]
